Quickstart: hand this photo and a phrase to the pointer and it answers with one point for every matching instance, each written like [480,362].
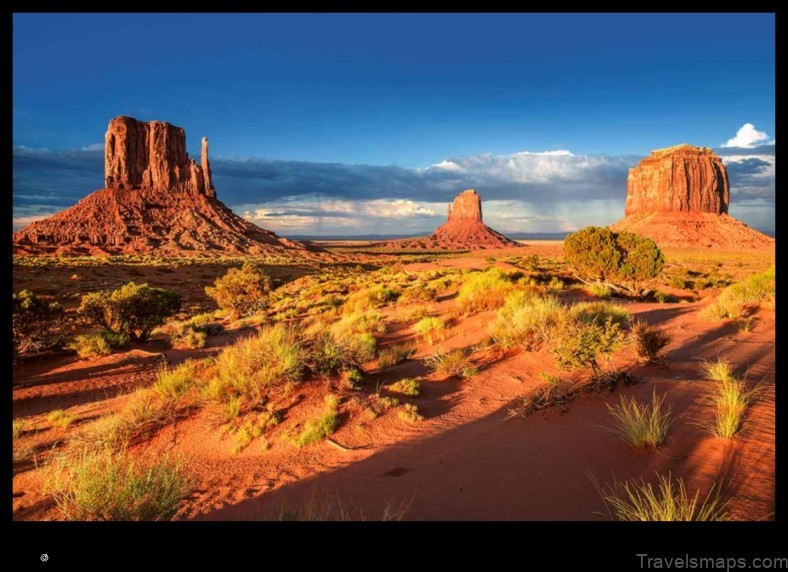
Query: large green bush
[133,309]
[622,260]
[35,322]
[241,291]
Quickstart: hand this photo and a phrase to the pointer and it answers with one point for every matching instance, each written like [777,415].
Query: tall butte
[156,200]
[679,197]
[463,229]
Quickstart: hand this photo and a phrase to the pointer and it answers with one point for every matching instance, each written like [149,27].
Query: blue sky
[316,118]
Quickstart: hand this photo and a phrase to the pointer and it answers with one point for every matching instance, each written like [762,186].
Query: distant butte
[679,196]
[463,230]
[156,200]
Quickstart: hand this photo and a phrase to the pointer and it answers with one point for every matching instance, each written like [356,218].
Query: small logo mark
[44,557]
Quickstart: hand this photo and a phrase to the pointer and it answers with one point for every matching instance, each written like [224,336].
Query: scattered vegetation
[241,291]
[668,501]
[484,291]
[35,322]
[174,382]
[526,320]
[731,399]
[743,298]
[395,353]
[456,362]
[599,290]
[431,329]
[20,426]
[410,413]
[719,370]
[641,425]
[580,344]
[61,419]
[599,313]
[318,428]
[133,310]
[650,341]
[407,386]
[106,485]
[621,261]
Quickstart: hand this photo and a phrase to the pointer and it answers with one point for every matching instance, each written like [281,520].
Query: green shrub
[91,345]
[640,501]
[484,291]
[408,386]
[410,413]
[369,298]
[680,283]
[430,329]
[580,344]
[318,428]
[174,382]
[133,310]
[35,322]
[61,419]
[641,425]
[241,291]
[525,320]
[719,370]
[248,368]
[20,426]
[664,298]
[599,313]
[456,362]
[743,298]
[104,485]
[601,291]
[419,292]
[624,260]
[649,342]
[395,353]
[330,352]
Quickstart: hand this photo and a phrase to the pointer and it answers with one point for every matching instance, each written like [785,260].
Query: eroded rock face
[463,230]
[683,178]
[152,155]
[156,200]
[467,206]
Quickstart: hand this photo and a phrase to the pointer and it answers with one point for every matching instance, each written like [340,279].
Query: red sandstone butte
[463,230]
[679,197]
[157,200]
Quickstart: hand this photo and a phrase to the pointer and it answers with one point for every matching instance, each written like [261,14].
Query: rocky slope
[157,200]
[463,230]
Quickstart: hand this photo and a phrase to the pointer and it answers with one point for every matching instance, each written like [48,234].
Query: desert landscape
[173,360]
[405,267]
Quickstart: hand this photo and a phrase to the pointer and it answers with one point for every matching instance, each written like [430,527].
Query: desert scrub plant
[111,486]
[430,329]
[667,501]
[61,419]
[578,344]
[600,312]
[90,345]
[252,366]
[133,310]
[650,341]
[719,370]
[554,393]
[622,261]
[174,382]
[359,323]
[525,320]
[407,386]
[410,413]
[413,313]
[484,291]
[35,322]
[599,290]
[742,298]
[241,291]
[253,427]
[731,399]
[641,425]
[369,298]
[419,292]
[395,353]
[318,428]
[20,426]
[456,362]
[330,352]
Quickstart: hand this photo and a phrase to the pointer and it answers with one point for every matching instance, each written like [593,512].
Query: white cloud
[94,147]
[447,166]
[748,137]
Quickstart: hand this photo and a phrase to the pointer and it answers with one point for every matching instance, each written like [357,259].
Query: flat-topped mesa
[467,206]
[152,155]
[680,178]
